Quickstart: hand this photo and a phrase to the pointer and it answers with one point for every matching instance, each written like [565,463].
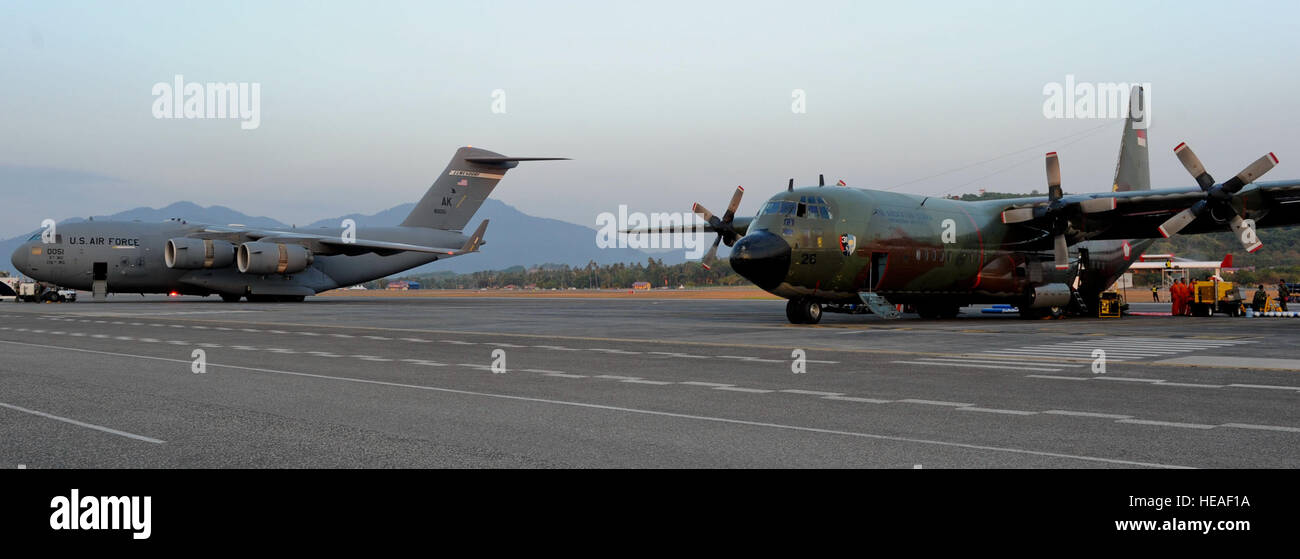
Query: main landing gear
[803,311]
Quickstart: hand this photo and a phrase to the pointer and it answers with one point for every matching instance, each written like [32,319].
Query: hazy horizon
[360,107]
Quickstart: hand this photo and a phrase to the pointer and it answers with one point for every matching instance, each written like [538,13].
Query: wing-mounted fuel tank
[185,253]
[273,258]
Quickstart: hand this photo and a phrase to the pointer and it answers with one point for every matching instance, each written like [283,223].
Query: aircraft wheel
[230,298]
[803,311]
[792,312]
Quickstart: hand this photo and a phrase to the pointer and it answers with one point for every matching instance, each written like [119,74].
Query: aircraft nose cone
[762,258]
[19,259]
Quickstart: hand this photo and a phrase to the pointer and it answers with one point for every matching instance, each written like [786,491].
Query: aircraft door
[99,281]
[879,262]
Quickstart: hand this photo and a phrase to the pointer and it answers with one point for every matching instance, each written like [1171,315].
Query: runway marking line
[639,411]
[108,430]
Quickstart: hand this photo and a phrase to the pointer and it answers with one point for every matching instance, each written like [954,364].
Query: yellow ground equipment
[1222,296]
[1111,305]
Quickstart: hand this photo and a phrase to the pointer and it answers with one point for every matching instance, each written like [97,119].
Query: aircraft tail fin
[1227,262]
[1133,170]
[462,187]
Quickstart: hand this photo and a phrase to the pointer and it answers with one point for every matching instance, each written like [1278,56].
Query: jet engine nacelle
[273,258]
[185,253]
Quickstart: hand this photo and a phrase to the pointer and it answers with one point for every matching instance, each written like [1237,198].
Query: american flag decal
[463,182]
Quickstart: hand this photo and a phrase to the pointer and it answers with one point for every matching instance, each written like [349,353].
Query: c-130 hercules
[839,249]
[267,265]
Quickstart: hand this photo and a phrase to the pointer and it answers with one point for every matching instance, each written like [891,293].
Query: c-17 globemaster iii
[234,261]
[840,249]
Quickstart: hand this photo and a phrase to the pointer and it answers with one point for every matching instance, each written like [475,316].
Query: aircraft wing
[334,244]
[1144,214]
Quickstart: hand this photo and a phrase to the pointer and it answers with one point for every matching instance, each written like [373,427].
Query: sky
[659,105]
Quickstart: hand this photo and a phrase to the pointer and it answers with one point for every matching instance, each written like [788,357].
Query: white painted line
[742,389]
[82,423]
[415,340]
[639,411]
[376,338]
[1261,427]
[617,377]
[812,392]
[1166,424]
[982,359]
[642,381]
[710,384]
[563,375]
[996,410]
[933,402]
[822,361]
[1055,377]
[543,371]
[457,342]
[1265,386]
[1130,379]
[978,366]
[1188,384]
[856,399]
[1088,414]
[341,335]
[498,344]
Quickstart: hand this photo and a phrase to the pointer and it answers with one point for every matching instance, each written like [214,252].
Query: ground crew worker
[1155,294]
[1184,297]
[1176,298]
[1260,300]
[1282,293]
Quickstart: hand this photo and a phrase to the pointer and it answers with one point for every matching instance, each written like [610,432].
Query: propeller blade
[1194,166]
[1175,224]
[1250,173]
[821,180]
[1245,230]
[1097,205]
[1017,215]
[704,212]
[735,203]
[1062,253]
[790,187]
[712,254]
[1054,192]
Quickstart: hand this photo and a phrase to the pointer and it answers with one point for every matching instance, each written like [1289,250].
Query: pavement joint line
[640,411]
[83,424]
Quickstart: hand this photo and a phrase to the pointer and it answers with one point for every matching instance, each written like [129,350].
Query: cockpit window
[35,237]
[813,207]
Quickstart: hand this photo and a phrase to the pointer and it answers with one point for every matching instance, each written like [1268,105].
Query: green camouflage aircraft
[838,249]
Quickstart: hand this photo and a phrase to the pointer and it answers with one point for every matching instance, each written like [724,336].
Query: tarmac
[540,382]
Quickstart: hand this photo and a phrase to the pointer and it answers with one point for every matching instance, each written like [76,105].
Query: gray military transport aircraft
[237,262]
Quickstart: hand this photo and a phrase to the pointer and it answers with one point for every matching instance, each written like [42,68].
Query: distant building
[403,285]
[641,285]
